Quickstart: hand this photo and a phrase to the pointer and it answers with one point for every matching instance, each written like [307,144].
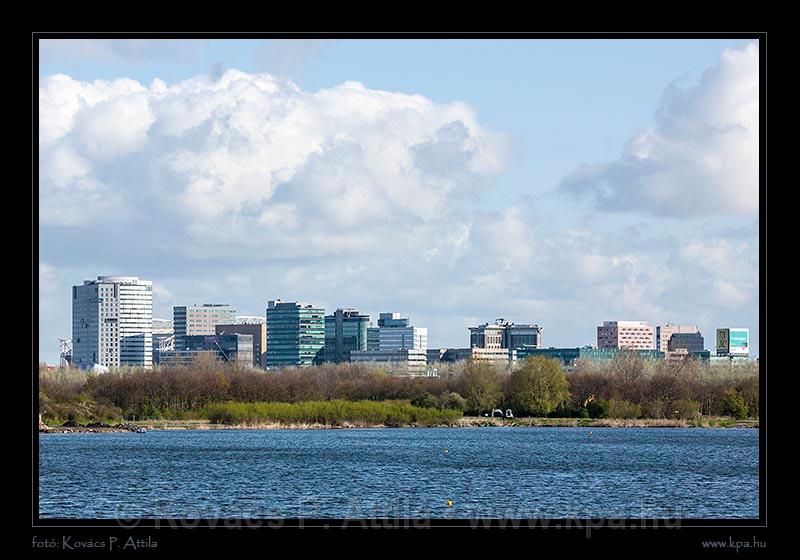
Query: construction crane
[64,352]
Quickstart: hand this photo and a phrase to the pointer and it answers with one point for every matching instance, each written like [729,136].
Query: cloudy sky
[554,182]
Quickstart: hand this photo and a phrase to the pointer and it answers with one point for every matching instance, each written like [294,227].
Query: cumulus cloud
[699,158]
[251,159]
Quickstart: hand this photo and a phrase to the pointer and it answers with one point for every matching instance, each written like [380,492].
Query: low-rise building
[503,334]
[570,356]
[405,362]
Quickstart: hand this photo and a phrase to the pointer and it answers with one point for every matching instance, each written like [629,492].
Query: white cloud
[700,158]
[251,159]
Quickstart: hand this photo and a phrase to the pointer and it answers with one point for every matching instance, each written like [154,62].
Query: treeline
[627,387]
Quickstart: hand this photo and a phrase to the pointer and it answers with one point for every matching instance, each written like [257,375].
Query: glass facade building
[295,334]
[568,356]
[394,333]
[345,331]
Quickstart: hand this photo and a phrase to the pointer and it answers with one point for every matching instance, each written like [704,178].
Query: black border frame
[563,527]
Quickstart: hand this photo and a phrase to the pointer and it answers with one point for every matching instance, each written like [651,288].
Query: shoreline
[464,422]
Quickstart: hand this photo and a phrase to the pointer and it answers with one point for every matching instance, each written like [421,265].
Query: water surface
[366,473]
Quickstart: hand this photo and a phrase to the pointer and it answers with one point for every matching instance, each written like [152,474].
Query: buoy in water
[445,450]
[449,502]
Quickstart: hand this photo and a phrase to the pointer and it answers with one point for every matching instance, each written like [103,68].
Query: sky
[556,182]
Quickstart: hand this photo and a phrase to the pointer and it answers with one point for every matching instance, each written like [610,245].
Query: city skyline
[553,182]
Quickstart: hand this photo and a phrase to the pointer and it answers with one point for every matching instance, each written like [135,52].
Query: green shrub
[623,409]
[686,409]
[453,401]
[329,413]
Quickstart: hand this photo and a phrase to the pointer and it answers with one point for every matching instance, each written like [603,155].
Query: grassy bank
[462,422]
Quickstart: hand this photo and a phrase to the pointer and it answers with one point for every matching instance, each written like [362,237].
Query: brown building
[259,332]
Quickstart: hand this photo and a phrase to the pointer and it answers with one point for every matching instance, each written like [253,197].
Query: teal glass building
[345,330]
[295,334]
[568,356]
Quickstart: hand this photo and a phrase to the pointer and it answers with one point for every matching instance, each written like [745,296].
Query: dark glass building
[345,330]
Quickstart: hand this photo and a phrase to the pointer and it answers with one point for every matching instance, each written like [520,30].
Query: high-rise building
[664,334]
[345,330]
[503,334]
[112,321]
[394,333]
[628,335]
[259,333]
[295,334]
[190,320]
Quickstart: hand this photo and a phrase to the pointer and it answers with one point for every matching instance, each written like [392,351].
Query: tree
[538,386]
[481,386]
[734,404]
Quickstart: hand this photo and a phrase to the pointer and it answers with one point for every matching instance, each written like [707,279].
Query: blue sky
[561,182]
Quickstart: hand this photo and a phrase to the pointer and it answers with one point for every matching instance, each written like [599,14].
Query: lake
[402,472]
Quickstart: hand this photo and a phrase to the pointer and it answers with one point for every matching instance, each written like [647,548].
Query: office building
[411,362]
[230,348]
[693,343]
[625,335]
[664,334]
[112,321]
[498,356]
[394,333]
[163,338]
[250,320]
[345,331]
[503,334]
[192,320]
[295,334]
[256,330]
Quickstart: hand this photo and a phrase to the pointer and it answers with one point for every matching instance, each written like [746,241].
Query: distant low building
[499,356]
[503,334]
[570,356]
[407,362]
